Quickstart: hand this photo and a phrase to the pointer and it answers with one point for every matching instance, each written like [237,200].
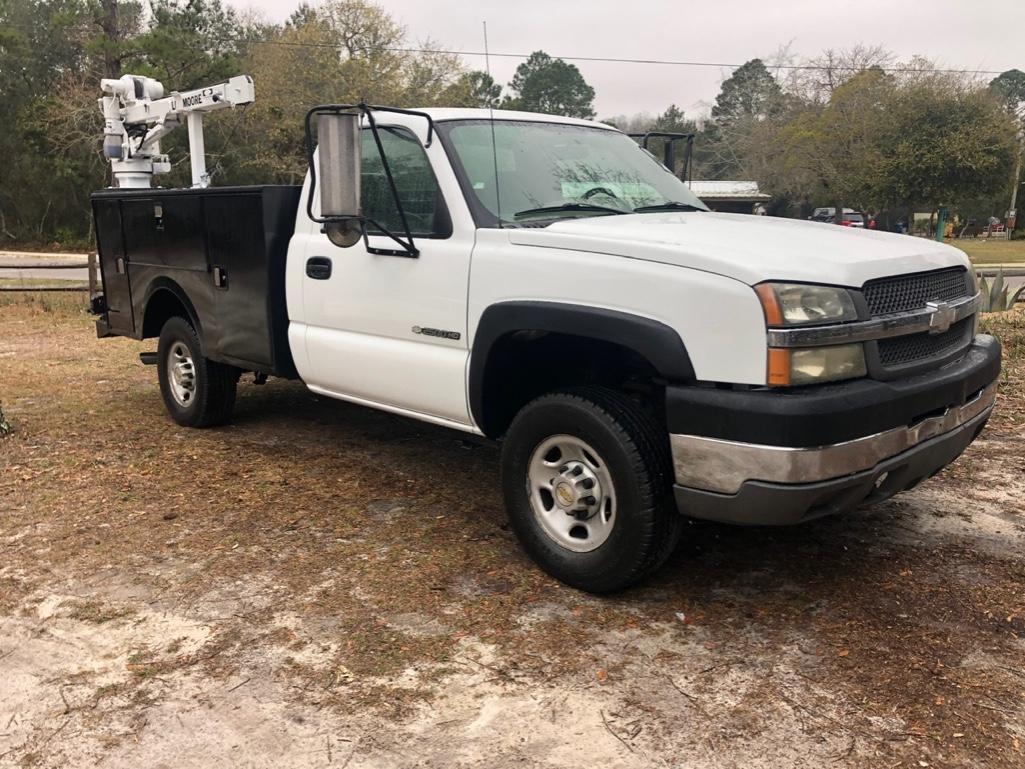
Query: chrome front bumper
[721,466]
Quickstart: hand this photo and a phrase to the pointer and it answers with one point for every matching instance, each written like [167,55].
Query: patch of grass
[1009,328]
[107,690]
[64,302]
[147,662]
[985,251]
[97,612]
[141,663]
[69,245]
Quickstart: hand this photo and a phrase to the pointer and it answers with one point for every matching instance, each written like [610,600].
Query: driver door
[384,330]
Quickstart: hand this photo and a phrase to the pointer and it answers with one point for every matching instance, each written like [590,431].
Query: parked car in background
[851,218]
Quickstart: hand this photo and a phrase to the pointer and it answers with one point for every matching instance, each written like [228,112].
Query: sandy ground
[323,585]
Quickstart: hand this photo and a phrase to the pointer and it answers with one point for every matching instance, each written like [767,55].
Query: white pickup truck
[546,283]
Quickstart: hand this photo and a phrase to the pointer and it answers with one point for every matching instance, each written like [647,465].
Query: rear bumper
[780,474]
[98,307]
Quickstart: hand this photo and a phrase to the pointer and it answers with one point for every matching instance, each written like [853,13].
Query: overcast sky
[984,34]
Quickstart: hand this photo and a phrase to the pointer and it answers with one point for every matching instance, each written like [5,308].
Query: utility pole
[1009,88]
[1012,212]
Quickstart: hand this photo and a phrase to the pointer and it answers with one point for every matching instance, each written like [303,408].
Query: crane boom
[137,116]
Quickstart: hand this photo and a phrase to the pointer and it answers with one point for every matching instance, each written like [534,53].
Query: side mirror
[340,142]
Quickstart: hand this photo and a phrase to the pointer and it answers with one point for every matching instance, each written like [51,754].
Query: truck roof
[448,113]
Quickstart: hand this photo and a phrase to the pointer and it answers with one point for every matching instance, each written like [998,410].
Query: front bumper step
[775,504]
[724,466]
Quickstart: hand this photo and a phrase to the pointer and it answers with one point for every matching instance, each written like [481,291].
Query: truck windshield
[550,171]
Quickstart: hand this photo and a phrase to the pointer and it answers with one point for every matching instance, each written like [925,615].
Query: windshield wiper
[567,207]
[669,205]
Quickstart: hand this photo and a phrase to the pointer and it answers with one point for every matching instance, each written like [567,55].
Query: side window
[414,180]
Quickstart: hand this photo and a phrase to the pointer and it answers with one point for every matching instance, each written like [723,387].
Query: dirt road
[11,269]
[323,585]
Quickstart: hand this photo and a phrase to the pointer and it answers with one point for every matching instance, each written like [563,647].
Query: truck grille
[911,292]
[908,293]
[915,348]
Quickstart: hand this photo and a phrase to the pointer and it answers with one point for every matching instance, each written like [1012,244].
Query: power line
[615,60]
[624,60]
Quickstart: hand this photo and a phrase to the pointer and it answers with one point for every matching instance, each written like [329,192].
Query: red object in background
[871,224]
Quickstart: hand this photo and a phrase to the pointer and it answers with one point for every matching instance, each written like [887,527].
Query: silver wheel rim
[571,493]
[181,374]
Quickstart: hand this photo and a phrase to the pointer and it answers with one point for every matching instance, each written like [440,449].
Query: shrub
[998,297]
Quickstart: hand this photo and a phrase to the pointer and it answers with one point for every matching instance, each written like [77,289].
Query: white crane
[137,115]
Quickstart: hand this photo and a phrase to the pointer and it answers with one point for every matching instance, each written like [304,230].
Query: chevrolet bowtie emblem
[942,315]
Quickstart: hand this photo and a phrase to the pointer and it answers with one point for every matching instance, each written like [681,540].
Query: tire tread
[646,446]
[216,383]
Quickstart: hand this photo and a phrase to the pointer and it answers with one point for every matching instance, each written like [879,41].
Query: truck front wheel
[197,392]
[587,479]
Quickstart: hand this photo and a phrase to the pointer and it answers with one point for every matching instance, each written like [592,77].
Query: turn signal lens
[779,367]
[770,304]
[813,365]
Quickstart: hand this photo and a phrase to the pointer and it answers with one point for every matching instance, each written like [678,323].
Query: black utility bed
[219,252]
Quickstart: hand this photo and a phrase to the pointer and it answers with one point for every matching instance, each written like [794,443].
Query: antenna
[491,113]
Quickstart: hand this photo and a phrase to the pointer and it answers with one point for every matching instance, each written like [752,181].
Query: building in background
[732,197]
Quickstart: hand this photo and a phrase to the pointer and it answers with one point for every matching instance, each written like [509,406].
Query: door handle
[220,277]
[318,268]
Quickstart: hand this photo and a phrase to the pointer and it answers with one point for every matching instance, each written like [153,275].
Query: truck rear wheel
[587,475]
[197,392]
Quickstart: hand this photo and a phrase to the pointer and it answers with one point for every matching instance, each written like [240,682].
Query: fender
[157,286]
[658,343]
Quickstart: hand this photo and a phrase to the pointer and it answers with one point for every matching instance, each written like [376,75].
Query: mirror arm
[408,245]
[408,249]
[415,113]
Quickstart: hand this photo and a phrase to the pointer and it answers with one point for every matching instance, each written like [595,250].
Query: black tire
[212,398]
[635,450]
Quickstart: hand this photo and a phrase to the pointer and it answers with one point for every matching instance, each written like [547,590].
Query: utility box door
[235,246]
[111,247]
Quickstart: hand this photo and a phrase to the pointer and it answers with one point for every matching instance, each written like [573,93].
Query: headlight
[812,365]
[797,304]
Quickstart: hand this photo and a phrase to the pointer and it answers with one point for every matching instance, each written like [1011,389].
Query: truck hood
[748,248]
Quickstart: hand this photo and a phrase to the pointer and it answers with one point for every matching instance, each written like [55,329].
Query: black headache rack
[218,252]
[670,140]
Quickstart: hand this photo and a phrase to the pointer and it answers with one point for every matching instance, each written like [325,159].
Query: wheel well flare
[524,349]
[163,304]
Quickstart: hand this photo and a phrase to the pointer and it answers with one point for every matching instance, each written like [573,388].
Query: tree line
[852,129]
[858,129]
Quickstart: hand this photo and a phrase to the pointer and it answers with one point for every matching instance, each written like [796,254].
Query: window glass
[414,180]
[554,164]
